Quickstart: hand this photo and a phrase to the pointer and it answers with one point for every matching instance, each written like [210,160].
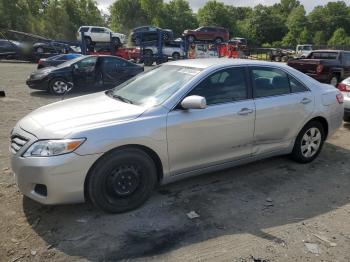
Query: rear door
[99,34]
[282,106]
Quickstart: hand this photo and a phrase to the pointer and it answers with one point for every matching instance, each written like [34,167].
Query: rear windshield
[323,55]
[83,29]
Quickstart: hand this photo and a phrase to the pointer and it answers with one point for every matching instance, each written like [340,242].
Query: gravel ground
[272,210]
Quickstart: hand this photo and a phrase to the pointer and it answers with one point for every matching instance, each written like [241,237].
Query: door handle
[245,111]
[305,100]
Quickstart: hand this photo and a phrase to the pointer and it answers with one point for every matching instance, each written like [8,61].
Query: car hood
[60,119]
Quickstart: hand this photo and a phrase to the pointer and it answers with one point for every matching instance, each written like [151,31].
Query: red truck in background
[327,66]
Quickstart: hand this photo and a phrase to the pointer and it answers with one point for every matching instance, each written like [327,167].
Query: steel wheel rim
[122,182]
[311,142]
[60,87]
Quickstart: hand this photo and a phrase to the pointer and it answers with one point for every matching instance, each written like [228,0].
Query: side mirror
[194,102]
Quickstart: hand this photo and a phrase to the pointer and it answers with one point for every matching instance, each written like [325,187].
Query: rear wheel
[309,142]
[122,180]
[218,40]
[176,56]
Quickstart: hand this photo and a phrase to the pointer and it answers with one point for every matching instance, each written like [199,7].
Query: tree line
[283,24]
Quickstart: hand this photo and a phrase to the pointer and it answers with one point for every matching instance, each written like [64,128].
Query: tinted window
[5,44]
[296,86]
[224,86]
[269,82]
[346,59]
[323,55]
[111,61]
[210,29]
[86,63]
[84,29]
[97,30]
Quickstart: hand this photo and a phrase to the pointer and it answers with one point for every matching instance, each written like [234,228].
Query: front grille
[17,142]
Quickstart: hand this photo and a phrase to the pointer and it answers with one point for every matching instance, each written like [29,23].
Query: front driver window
[87,63]
[224,86]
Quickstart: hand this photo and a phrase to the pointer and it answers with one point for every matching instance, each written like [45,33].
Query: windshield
[155,86]
[307,48]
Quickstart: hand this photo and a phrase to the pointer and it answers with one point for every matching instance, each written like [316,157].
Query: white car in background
[344,87]
[172,50]
[98,34]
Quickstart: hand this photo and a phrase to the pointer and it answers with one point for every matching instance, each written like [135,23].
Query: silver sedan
[180,119]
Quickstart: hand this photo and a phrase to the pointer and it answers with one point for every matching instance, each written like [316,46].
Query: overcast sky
[195,4]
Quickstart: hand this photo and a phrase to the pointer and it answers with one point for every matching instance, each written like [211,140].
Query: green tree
[179,16]
[319,38]
[127,14]
[339,38]
[214,13]
[296,23]
[264,26]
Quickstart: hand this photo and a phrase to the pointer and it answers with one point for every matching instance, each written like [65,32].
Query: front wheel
[309,142]
[122,180]
[58,86]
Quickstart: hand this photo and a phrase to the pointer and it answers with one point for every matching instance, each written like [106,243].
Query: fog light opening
[41,189]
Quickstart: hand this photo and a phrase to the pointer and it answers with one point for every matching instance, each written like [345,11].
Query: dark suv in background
[147,34]
[207,33]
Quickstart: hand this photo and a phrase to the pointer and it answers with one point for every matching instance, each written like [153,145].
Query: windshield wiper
[123,99]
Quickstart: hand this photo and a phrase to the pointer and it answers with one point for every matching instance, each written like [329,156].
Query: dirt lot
[273,210]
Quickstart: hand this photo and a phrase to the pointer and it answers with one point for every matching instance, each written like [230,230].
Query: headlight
[39,76]
[53,147]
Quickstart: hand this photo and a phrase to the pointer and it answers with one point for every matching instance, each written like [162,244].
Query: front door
[282,104]
[220,133]
[84,72]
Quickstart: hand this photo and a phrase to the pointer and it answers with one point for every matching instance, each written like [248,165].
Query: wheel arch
[323,122]
[150,152]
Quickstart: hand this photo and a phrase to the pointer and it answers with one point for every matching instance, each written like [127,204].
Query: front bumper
[39,84]
[62,176]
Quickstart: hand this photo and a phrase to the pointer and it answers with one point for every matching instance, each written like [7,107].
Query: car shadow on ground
[246,199]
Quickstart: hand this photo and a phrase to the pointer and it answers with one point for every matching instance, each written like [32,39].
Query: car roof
[204,63]
[328,50]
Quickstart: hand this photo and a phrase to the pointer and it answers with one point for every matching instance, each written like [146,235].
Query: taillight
[340,98]
[343,87]
[40,61]
[319,69]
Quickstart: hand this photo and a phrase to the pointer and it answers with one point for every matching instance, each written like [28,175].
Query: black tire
[52,86]
[218,40]
[298,153]
[334,80]
[191,38]
[88,41]
[116,41]
[176,56]
[122,180]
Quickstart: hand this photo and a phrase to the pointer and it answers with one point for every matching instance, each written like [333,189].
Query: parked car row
[82,72]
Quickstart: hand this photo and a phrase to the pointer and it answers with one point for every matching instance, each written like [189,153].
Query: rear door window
[97,30]
[269,82]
